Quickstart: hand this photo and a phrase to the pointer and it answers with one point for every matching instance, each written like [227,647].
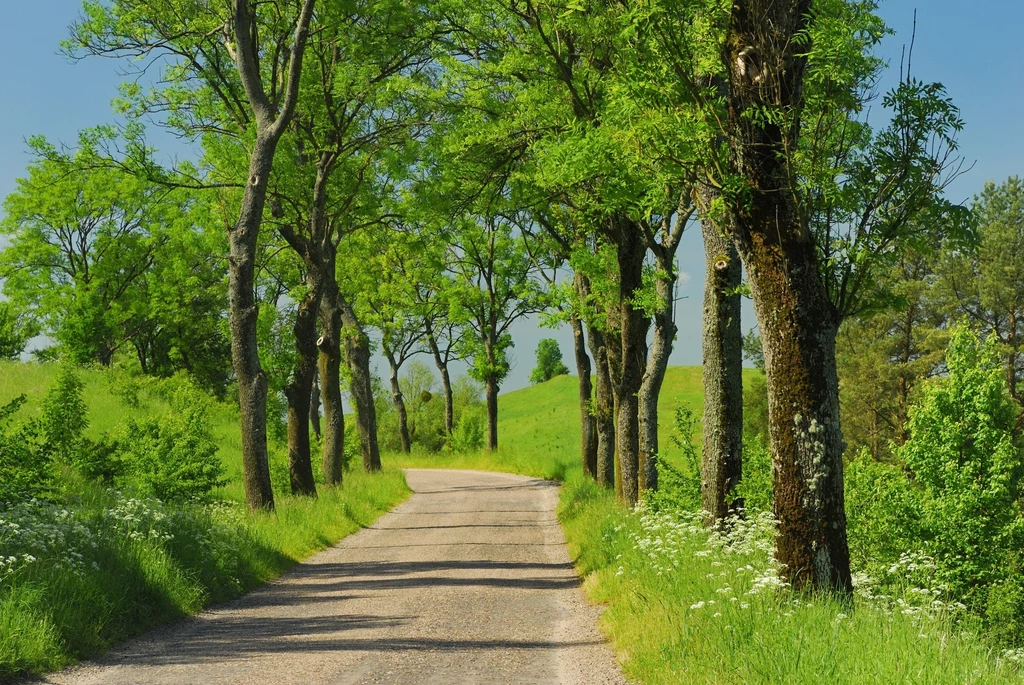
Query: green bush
[174,456]
[966,468]
[65,417]
[468,434]
[24,465]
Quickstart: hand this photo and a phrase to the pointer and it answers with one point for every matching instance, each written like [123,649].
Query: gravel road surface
[469,581]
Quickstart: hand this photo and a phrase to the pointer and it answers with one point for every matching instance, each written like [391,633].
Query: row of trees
[429,170]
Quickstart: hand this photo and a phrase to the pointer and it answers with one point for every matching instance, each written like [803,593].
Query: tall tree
[248,63]
[496,288]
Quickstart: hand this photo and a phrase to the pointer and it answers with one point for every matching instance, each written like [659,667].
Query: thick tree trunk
[722,369]
[330,382]
[604,409]
[798,322]
[446,382]
[314,406]
[654,376]
[613,356]
[588,425]
[300,465]
[399,400]
[243,313]
[357,352]
[631,250]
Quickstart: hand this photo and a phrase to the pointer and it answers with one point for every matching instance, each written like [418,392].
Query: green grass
[539,428]
[141,564]
[653,574]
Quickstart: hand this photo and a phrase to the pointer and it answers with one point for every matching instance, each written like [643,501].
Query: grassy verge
[687,606]
[103,568]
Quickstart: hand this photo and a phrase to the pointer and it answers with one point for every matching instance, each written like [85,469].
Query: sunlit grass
[140,564]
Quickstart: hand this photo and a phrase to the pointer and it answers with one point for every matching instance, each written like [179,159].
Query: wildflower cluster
[35,532]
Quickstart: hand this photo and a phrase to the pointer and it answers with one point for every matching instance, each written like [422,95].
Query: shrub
[65,416]
[24,465]
[468,434]
[173,456]
[967,468]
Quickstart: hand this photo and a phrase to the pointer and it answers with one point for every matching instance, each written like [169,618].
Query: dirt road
[469,581]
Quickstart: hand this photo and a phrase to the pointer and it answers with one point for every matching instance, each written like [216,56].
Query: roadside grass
[91,567]
[685,606]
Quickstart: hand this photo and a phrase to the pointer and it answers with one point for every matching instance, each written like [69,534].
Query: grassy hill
[545,418]
[539,427]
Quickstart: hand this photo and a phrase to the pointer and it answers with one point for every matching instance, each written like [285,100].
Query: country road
[469,581]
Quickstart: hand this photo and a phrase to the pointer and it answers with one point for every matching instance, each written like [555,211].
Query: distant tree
[985,282]
[549,362]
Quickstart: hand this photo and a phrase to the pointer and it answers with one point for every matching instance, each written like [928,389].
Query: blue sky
[972,48]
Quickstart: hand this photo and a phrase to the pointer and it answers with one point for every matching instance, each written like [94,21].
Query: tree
[985,281]
[549,362]
[223,58]
[495,289]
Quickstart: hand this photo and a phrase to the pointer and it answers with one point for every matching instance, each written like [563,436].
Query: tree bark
[446,382]
[613,358]
[604,409]
[631,250]
[314,406]
[330,381]
[722,369]
[399,400]
[588,425]
[297,392]
[654,376]
[243,239]
[357,352]
[798,322]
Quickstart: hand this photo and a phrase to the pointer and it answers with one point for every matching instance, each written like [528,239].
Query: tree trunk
[492,413]
[722,370]
[243,313]
[613,356]
[588,425]
[242,238]
[654,376]
[399,400]
[357,352]
[330,381]
[446,382]
[604,409]
[798,322]
[631,250]
[314,406]
[300,465]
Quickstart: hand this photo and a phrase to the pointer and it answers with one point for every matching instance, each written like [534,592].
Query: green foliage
[65,417]
[965,459]
[24,464]
[468,434]
[549,362]
[15,331]
[680,487]
[173,457]
[755,407]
